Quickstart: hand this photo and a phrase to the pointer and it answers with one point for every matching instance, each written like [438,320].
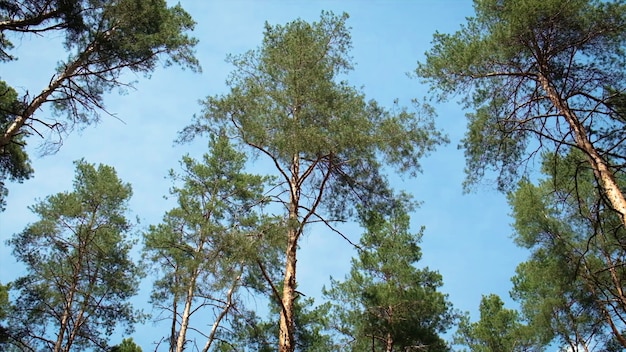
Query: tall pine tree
[326,144]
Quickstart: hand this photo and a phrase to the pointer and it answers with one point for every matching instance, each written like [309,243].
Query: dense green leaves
[210,244]
[294,105]
[127,345]
[249,332]
[533,71]
[498,330]
[327,143]
[386,303]
[572,284]
[103,40]
[4,310]
[80,275]
[14,161]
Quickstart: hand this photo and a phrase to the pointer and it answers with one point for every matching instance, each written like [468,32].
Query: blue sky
[467,237]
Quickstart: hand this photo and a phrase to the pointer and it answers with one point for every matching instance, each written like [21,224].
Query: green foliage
[118,35]
[520,66]
[211,242]
[127,345]
[327,144]
[4,300]
[498,330]
[571,286]
[80,276]
[286,102]
[4,310]
[103,39]
[14,161]
[249,332]
[386,303]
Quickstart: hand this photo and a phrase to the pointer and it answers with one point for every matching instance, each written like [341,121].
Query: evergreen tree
[103,39]
[211,243]
[127,345]
[572,284]
[541,76]
[14,161]
[249,332]
[386,303]
[80,276]
[499,330]
[326,144]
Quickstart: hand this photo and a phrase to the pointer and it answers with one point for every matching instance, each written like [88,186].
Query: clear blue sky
[467,237]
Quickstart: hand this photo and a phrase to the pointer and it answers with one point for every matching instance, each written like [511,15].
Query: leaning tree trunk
[70,70]
[600,166]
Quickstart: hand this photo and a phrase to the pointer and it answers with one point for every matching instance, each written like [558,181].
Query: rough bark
[389,343]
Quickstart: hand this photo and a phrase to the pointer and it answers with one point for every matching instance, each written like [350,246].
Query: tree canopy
[498,330]
[80,275]
[210,244]
[327,143]
[297,154]
[538,75]
[103,39]
[572,284]
[385,303]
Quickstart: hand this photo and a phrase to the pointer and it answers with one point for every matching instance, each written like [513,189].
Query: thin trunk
[227,306]
[174,320]
[286,334]
[58,346]
[389,343]
[67,314]
[184,323]
[389,338]
[67,310]
[598,164]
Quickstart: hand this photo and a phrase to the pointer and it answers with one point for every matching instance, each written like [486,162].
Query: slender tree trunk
[218,320]
[389,343]
[184,321]
[598,164]
[389,338]
[286,333]
[67,310]
[58,346]
[174,320]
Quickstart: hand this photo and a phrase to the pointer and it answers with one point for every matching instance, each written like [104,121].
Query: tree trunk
[64,321]
[67,311]
[389,338]
[286,341]
[172,339]
[184,323]
[69,70]
[389,343]
[227,306]
[598,164]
